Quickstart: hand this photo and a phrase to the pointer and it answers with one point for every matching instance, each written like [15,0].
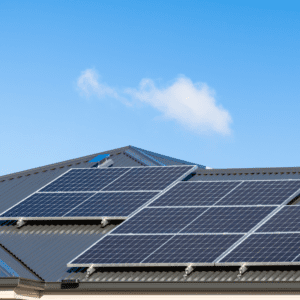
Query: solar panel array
[206,222]
[97,193]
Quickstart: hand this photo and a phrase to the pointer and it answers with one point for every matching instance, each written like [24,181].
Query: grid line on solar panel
[192,249]
[111,204]
[46,205]
[274,192]
[120,249]
[286,220]
[148,249]
[196,193]
[91,179]
[228,220]
[159,220]
[266,248]
[194,220]
[148,178]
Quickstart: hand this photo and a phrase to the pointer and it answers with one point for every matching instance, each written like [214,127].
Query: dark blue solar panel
[261,193]
[195,193]
[148,178]
[228,219]
[159,220]
[282,247]
[192,249]
[121,249]
[47,205]
[85,180]
[111,204]
[287,219]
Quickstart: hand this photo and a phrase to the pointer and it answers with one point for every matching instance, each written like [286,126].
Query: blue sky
[204,81]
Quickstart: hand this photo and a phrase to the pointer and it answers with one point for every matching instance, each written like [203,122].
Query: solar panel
[111,204]
[287,219]
[192,249]
[195,193]
[153,249]
[228,219]
[160,220]
[46,205]
[266,248]
[273,192]
[148,178]
[121,249]
[203,220]
[85,180]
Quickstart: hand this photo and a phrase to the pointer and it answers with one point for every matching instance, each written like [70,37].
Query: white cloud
[88,84]
[191,104]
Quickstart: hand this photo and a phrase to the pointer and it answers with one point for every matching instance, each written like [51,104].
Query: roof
[41,250]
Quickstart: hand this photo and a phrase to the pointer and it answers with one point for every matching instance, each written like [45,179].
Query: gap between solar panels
[96,194]
[201,223]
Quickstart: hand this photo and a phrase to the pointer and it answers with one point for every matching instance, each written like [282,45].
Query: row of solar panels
[97,193]
[172,222]
[65,197]
[205,222]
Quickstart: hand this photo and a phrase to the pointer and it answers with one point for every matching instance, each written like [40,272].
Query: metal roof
[41,250]
[262,274]
[46,248]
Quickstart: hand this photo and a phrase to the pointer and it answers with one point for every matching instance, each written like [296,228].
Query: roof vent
[107,163]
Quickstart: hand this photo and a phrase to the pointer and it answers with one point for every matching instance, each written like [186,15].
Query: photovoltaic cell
[121,249]
[283,247]
[261,193]
[148,178]
[47,205]
[111,204]
[287,219]
[192,249]
[228,219]
[85,180]
[159,220]
[195,193]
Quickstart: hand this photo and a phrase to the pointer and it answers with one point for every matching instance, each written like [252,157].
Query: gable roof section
[46,248]
[10,266]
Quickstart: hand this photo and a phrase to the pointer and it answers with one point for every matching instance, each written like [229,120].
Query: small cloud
[192,105]
[89,85]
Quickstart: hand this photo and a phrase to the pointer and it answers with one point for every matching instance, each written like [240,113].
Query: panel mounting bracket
[188,270]
[21,222]
[90,271]
[104,222]
[242,270]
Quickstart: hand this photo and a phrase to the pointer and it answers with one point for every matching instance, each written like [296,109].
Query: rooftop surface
[41,250]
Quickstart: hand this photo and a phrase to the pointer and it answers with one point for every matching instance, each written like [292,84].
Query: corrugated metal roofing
[247,174]
[47,248]
[16,265]
[212,275]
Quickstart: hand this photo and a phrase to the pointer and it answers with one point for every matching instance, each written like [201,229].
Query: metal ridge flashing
[59,164]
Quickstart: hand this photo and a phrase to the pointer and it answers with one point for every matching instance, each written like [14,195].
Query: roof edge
[111,287]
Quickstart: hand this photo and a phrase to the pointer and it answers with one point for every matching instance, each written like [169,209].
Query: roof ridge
[59,164]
